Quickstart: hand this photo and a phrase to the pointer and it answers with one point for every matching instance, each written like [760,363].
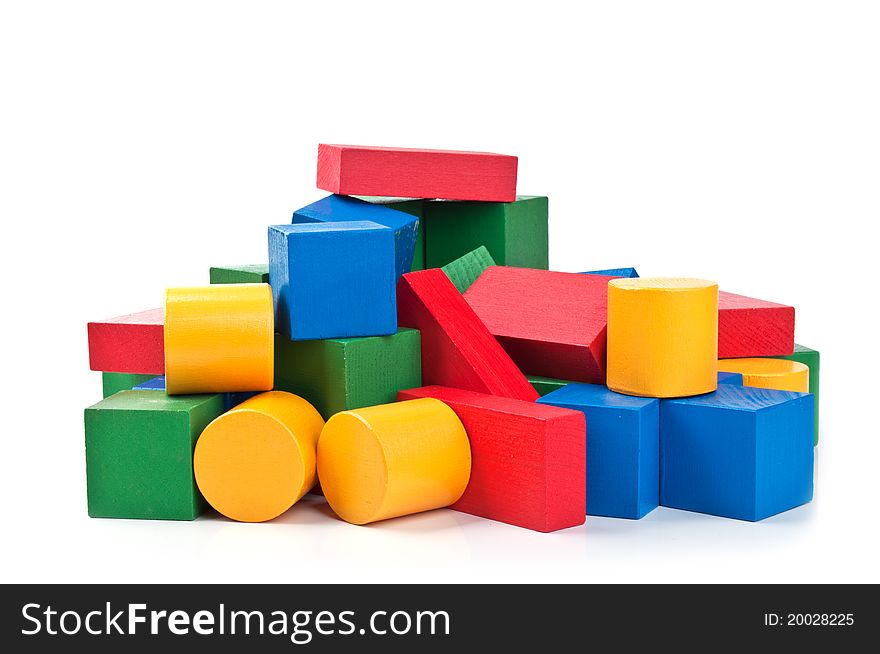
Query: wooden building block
[753,328]
[778,374]
[393,459]
[340,208]
[414,208]
[113,382]
[740,452]
[662,336]
[413,173]
[256,461]
[219,338]
[333,279]
[809,358]
[730,378]
[623,448]
[348,373]
[139,447]
[528,464]
[614,272]
[515,233]
[230,400]
[463,272]
[551,324]
[257,273]
[130,344]
[457,349]
[546,385]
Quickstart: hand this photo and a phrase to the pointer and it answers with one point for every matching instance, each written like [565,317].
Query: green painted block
[338,374]
[546,385]
[257,273]
[809,358]
[114,382]
[413,208]
[515,233]
[139,451]
[464,271]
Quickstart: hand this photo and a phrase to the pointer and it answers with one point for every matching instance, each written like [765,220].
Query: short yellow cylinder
[256,461]
[662,336]
[778,374]
[219,338]
[393,459]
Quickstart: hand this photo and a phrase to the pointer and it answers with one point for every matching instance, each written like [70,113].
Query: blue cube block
[614,272]
[623,448]
[333,280]
[341,208]
[154,384]
[230,400]
[740,452]
[730,378]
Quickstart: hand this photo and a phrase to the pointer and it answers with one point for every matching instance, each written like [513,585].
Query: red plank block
[528,460]
[552,324]
[133,343]
[753,328]
[412,173]
[457,349]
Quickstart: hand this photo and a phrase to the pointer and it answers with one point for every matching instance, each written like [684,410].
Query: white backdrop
[142,142]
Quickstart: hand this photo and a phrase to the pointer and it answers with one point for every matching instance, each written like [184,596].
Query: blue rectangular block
[341,208]
[614,272]
[333,279]
[623,448]
[740,452]
[230,400]
[730,378]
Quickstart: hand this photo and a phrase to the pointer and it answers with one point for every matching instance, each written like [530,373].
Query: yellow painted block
[393,459]
[662,336]
[219,338]
[778,374]
[256,461]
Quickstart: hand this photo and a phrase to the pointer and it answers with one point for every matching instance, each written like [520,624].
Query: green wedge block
[257,273]
[546,385]
[464,271]
[113,382]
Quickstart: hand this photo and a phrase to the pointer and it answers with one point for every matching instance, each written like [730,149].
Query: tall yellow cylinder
[393,459]
[662,336]
[254,462]
[778,374]
[219,338]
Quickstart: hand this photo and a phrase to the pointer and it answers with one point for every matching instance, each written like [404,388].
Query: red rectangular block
[457,349]
[552,324]
[412,173]
[753,328]
[134,343]
[528,460]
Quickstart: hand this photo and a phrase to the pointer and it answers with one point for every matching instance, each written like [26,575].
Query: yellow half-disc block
[393,459]
[662,336]
[219,338]
[254,462]
[778,374]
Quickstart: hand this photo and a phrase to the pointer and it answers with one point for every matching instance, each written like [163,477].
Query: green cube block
[464,271]
[139,454]
[809,358]
[515,233]
[546,385]
[113,382]
[338,374]
[257,273]
[413,208]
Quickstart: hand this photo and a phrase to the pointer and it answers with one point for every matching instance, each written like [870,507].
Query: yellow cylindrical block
[392,460]
[219,338]
[778,374]
[254,462]
[662,336]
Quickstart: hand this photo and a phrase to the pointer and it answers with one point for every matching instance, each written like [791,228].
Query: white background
[141,143]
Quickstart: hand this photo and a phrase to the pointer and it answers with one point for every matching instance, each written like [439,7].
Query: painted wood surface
[779,374]
[463,272]
[257,273]
[414,208]
[130,344]
[614,272]
[748,327]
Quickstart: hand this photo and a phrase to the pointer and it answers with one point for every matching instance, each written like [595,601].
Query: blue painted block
[614,272]
[730,378]
[740,452]
[341,208]
[623,448]
[333,280]
[154,384]
[230,400]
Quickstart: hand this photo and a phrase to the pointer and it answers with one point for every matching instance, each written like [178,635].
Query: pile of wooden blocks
[406,348]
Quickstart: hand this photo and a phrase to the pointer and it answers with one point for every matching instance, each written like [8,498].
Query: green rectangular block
[413,208]
[515,233]
[257,273]
[809,358]
[338,374]
[113,382]
[546,385]
[464,271]
[139,454]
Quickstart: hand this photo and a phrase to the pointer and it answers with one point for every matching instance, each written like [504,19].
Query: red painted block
[753,328]
[457,349]
[552,324]
[528,461]
[134,343]
[412,173]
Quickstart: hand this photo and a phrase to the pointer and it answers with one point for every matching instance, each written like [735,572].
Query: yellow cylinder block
[219,338]
[778,374]
[254,462]
[662,336]
[393,459]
